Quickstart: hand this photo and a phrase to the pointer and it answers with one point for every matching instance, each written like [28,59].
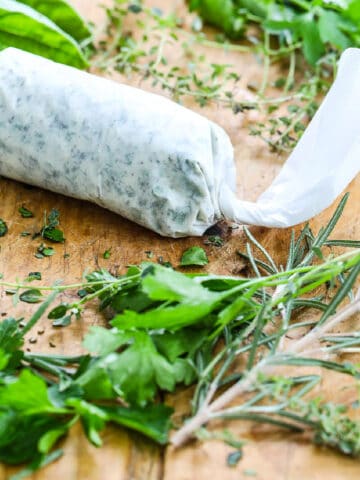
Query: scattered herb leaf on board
[3,228]
[107,254]
[25,212]
[31,296]
[34,276]
[194,256]
[50,231]
[44,251]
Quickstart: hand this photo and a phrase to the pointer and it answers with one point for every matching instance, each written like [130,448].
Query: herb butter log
[148,158]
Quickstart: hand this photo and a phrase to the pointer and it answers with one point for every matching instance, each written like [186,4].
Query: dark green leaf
[107,254]
[58,311]
[54,235]
[34,276]
[31,296]
[3,228]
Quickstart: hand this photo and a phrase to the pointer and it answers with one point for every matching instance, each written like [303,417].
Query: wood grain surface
[91,230]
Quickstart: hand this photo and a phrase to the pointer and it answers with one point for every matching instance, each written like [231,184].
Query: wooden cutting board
[91,230]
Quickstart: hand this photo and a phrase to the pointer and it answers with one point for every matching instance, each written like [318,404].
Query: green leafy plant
[170,329]
[52,29]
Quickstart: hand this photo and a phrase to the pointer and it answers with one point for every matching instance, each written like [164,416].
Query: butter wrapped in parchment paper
[155,162]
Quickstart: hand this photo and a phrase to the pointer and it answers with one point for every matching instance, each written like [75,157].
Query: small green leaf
[31,296]
[194,256]
[44,251]
[25,212]
[3,228]
[34,276]
[234,457]
[58,311]
[107,254]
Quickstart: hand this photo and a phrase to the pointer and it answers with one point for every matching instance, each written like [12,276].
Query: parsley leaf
[140,369]
[27,394]
[194,256]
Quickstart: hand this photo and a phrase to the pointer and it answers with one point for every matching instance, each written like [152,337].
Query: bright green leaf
[194,256]
[23,27]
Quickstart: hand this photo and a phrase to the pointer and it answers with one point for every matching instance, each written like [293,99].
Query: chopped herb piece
[3,228]
[234,457]
[107,254]
[54,235]
[44,251]
[66,255]
[50,230]
[25,234]
[194,256]
[34,276]
[214,240]
[82,293]
[250,473]
[25,212]
[149,253]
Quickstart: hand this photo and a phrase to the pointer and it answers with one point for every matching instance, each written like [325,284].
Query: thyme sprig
[145,54]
